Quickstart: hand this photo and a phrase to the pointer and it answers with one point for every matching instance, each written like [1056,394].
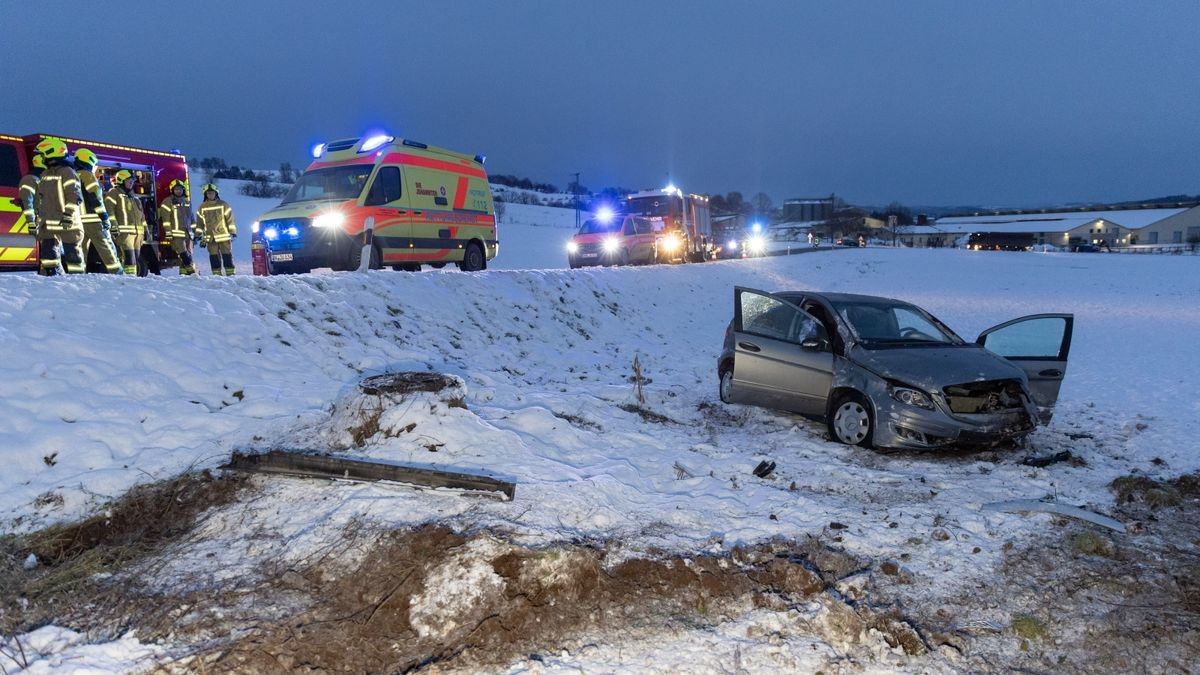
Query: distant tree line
[258,183]
[521,183]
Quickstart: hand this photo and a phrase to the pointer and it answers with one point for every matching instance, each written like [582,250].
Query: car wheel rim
[851,422]
[726,386]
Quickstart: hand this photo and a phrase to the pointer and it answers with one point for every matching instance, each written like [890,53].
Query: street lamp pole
[575,198]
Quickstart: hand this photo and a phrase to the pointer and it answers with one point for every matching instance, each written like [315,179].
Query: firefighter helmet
[180,184]
[211,187]
[121,176]
[38,162]
[85,156]
[52,148]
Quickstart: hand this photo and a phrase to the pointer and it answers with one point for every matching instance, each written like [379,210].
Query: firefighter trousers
[96,237]
[180,246]
[72,257]
[127,247]
[220,254]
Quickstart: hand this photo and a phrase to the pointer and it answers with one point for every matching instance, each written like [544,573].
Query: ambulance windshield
[337,182]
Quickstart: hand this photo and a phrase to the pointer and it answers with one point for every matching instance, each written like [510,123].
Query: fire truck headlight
[271,233]
[254,227]
[756,245]
[330,219]
[611,245]
[671,243]
[572,247]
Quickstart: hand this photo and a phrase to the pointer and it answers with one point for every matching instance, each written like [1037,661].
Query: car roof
[792,296]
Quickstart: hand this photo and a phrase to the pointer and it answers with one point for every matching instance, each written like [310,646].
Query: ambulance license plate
[281,257]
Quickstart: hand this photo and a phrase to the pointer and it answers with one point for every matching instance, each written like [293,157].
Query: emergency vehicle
[608,238]
[411,203]
[681,221]
[153,171]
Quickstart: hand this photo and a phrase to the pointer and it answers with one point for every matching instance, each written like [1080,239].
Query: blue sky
[925,102]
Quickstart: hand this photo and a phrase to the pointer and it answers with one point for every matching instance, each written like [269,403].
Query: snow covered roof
[1131,219]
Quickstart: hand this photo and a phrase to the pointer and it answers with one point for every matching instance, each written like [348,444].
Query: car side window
[769,317]
[386,188]
[629,227]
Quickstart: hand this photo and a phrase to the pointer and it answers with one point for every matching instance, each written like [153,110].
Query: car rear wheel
[850,422]
[473,260]
[726,389]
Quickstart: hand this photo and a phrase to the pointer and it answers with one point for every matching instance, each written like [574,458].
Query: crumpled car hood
[932,368]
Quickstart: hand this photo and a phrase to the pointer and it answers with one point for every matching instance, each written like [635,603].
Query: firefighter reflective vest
[27,196]
[176,217]
[93,198]
[125,211]
[58,197]
[214,221]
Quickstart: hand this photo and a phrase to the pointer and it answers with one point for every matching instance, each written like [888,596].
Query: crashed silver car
[887,374]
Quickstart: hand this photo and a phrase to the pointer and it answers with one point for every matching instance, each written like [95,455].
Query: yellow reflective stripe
[29,187]
[15,254]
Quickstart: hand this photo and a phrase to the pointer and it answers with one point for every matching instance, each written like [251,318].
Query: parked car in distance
[1086,248]
[885,373]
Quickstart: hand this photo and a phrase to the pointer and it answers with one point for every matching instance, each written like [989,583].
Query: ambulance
[153,172]
[403,203]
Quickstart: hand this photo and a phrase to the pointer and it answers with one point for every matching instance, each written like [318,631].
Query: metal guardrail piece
[342,468]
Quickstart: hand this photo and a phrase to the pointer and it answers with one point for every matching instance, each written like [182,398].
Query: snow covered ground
[123,381]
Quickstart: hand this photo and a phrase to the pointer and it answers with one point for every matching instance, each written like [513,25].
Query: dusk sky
[950,103]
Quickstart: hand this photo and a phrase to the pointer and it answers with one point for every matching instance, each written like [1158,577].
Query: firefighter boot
[72,258]
[214,262]
[227,258]
[185,263]
[49,264]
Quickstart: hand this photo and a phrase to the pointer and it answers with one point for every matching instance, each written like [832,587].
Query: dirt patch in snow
[57,573]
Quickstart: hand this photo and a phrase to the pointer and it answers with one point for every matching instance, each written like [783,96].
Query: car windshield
[338,182]
[880,323]
[652,206]
[596,226]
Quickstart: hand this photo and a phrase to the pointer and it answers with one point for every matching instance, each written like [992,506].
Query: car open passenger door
[782,358]
[1039,345]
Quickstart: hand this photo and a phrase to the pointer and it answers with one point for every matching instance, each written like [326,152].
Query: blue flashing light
[318,150]
[292,231]
[757,227]
[670,188]
[605,214]
[271,233]
[375,142]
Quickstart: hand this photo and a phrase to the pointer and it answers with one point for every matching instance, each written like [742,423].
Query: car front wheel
[851,422]
[726,390]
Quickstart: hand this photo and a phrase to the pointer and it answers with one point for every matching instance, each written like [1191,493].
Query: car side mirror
[813,344]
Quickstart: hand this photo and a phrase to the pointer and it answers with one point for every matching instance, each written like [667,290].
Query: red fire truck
[153,170]
[682,220]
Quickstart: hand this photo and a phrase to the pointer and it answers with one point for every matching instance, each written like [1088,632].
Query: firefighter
[27,194]
[96,224]
[216,229]
[175,214]
[58,218]
[128,220]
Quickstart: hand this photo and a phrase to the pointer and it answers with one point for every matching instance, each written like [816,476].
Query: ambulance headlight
[254,227]
[271,233]
[611,245]
[330,219]
[572,247]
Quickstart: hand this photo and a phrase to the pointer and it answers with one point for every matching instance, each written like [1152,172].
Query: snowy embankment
[530,236]
[120,380]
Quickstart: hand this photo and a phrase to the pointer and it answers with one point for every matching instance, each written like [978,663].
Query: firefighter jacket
[27,199]
[125,211]
[93,198]
[214,221]
[58,197]
[176,217]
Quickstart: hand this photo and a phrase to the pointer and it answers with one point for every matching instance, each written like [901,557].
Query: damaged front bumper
[903,426]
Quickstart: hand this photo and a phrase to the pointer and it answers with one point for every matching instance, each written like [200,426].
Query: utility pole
[575,198]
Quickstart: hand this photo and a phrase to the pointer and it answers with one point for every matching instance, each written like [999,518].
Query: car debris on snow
[1047,460]
[1026,505]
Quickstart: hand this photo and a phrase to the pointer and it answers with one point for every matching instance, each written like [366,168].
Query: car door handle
[749,346]
[1051,372]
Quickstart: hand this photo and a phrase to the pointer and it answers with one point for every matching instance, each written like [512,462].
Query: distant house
[1113,227]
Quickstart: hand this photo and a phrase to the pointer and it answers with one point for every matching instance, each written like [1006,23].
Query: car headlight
[913,397]
[572,247]
[329,219]
[611,245]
